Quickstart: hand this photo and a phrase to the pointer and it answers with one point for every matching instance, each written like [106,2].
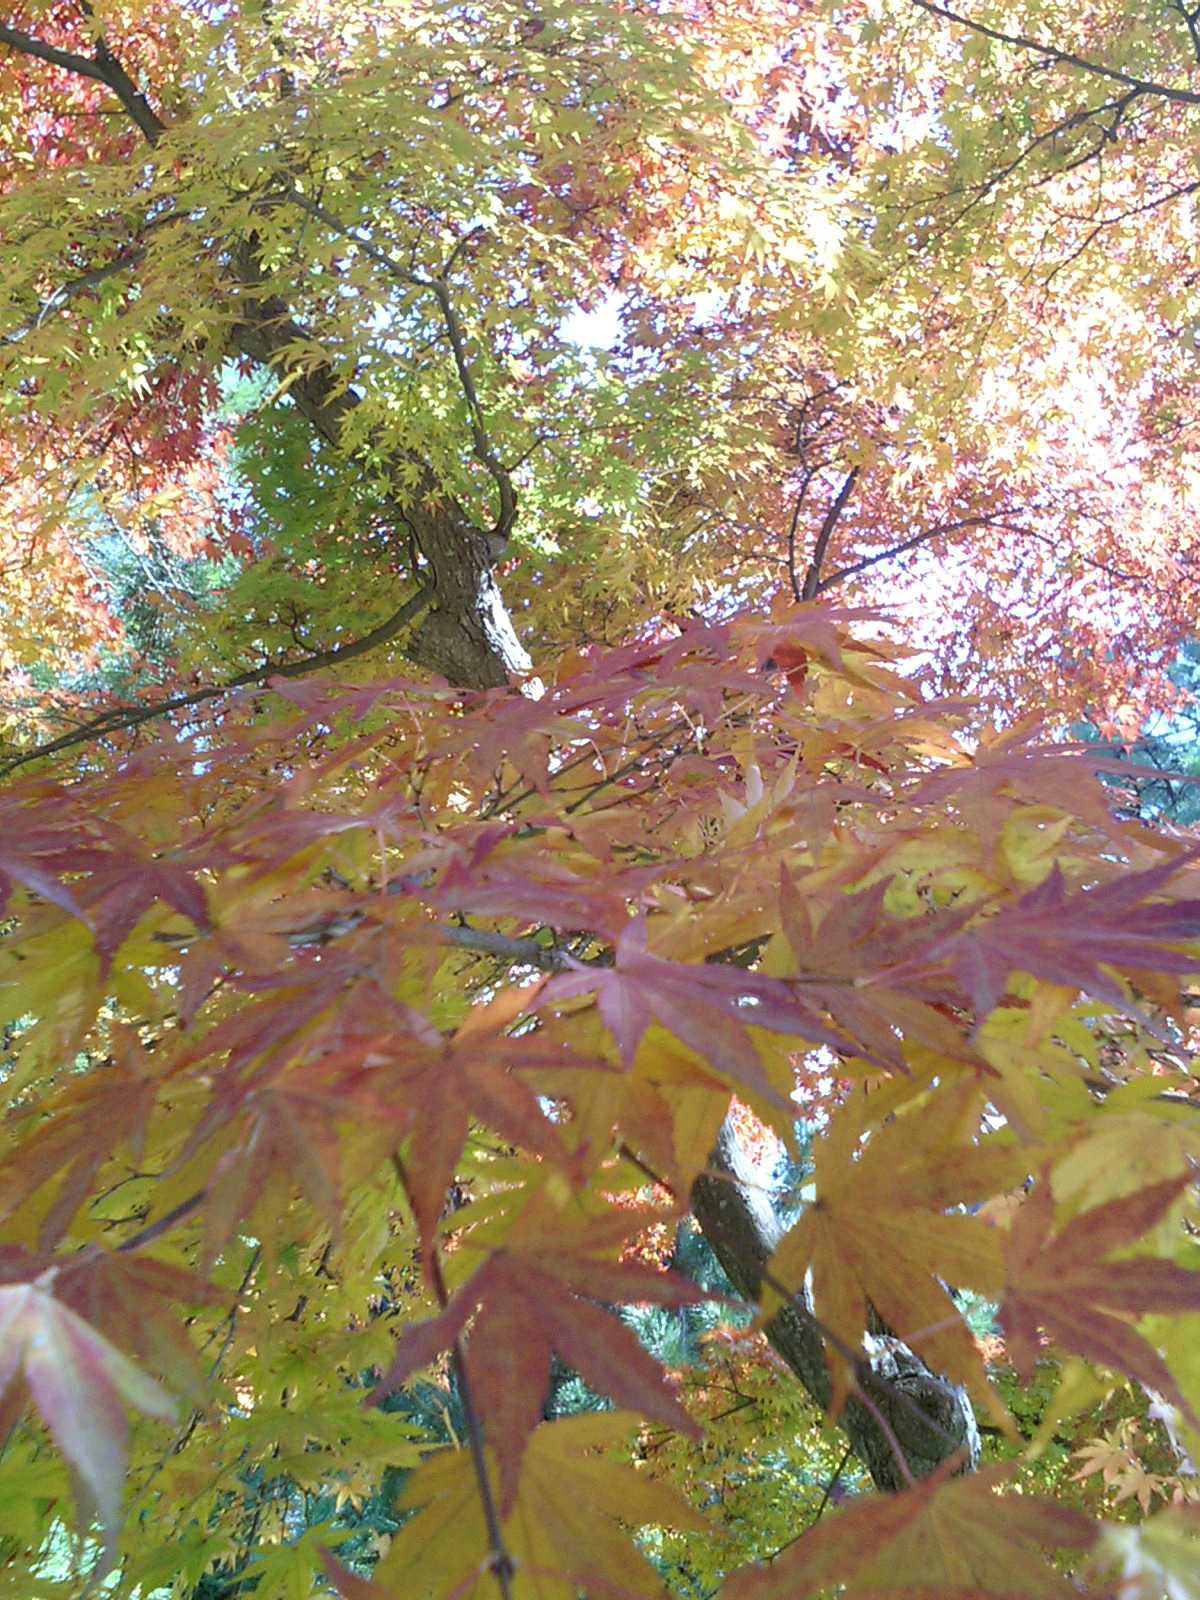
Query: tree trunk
[929,1417]
[467,635]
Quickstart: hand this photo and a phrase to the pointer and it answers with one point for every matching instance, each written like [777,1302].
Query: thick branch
[27,45]
[467,635]
[128,93]
[102,68]
[812,581]
[123,717]
[930,1418]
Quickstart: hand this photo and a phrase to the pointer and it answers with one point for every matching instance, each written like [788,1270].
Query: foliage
[459,807]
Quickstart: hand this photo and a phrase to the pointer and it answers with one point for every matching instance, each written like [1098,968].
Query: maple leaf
[1068,1284]
[877,1234]
[82,1385]
[134,1300]
[810,630]
[1075,940]
[945,1539]
[26,870]
[532,1305]
[566,1530]
[854,937]
[707,1006]
[1009,411]
[121,893]
[1116,1460]
[429,1089]
[288,1134]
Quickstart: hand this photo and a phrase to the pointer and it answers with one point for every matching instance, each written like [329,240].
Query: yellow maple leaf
[570,1524]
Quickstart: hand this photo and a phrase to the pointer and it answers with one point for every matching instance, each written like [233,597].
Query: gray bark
[929,1417]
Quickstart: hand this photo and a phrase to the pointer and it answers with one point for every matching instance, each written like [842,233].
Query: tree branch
[791,538]
[1001,523]
[905,1421]
[467,635]
[63,295]
[438,287]
[120,718]
[501,1563]
[102,68]
[812,581]
[1192,19]
[1063,58]
[25,44]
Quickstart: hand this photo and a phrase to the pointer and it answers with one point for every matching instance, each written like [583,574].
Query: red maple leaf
[527,1304]
[1068,1285]
[1078,940]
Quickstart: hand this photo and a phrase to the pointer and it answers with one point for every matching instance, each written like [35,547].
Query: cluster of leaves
[805,222]
[368,1037]
[379,1005]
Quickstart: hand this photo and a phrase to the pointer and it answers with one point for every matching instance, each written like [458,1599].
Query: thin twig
[820,1511]
[500,1562]
[164,1224]
[121,718]
[438,287]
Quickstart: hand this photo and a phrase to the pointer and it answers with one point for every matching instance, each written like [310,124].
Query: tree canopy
[574,1020]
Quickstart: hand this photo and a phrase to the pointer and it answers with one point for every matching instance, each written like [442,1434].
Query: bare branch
[898,1430]
[812,581]
[123,86]
[900,549]
[1063,58]
[123,717]
[155,1230]
[517,952]
[1078,119]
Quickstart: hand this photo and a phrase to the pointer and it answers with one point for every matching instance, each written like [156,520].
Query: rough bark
[929,1417]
